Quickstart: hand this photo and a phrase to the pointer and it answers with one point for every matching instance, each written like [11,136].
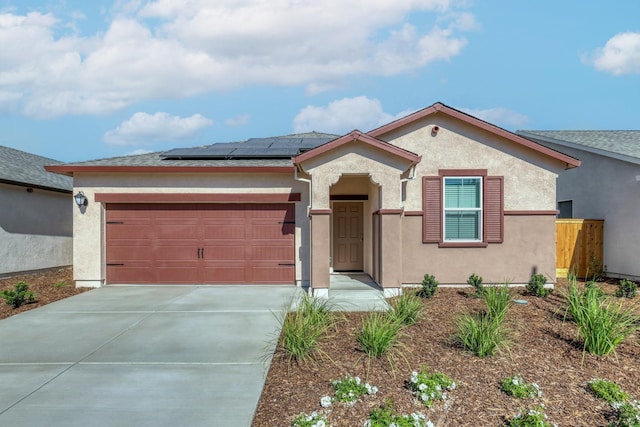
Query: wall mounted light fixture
[81,199]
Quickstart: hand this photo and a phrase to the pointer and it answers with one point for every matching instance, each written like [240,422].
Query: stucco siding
[606,188]
[529,177]
[528,247]
[89,223]
[35,229]
[36,212]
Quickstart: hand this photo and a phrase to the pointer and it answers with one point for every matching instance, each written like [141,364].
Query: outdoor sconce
[81,199]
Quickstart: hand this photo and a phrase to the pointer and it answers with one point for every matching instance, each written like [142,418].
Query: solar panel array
[254,148]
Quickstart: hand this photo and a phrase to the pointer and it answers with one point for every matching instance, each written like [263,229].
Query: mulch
[48,286]
[544,349]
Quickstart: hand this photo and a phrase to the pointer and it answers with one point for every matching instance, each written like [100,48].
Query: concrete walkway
[141,356]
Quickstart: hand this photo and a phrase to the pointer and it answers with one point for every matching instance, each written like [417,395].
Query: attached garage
[192,243]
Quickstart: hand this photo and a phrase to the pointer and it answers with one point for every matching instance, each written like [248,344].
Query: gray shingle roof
[174,157]
[623,144]
[28,169]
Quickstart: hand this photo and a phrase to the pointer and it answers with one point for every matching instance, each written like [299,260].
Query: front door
[347,236]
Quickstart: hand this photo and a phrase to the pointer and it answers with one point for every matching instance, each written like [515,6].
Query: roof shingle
[24,168]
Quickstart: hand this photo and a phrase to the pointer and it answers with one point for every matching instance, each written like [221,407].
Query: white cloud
[138,152]
[620,55]
[499,116]
[240,120]
[143,128]
[166,49]
[344,115]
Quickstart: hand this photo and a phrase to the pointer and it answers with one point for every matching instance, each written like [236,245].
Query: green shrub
[406,309]
[380,333]
[592,284]
[18,296]
[386,415]
[481,334]
[531,418]
[497,299]
[476,281]
[628,414]
[627,289]
[536,286]
[601,324]
[515,386]
[304,329]
[430,386]
[349,389]
[596,268]
[429,286]
[607,390]
[313,419]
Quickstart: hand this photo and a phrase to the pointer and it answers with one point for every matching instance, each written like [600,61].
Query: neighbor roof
[619,144]
[26,169]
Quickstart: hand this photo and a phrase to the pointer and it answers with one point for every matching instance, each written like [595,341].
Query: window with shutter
[463,208]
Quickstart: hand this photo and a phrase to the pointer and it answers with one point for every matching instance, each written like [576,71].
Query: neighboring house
[437,192]
[35,213]
[606,186]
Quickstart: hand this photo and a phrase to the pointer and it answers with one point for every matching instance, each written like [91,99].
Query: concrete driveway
[141,356]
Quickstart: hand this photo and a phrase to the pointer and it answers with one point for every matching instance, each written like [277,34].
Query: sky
[82,80]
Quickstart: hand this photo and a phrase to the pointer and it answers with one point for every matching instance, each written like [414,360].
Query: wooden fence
[578,246]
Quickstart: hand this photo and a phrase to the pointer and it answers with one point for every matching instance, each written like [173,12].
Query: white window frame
[445,209]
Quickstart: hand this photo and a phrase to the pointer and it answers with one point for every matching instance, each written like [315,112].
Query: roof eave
[69,170]
[356,135]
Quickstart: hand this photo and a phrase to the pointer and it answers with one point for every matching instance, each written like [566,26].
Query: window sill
[463,244]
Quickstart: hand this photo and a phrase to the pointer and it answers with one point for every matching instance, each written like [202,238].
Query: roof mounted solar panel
[254,148]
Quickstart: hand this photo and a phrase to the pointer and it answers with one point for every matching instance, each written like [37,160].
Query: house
[606,186]
[438,192]
[35,213]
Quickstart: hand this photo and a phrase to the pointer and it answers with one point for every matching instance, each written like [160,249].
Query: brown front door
[347,236]
[200,243]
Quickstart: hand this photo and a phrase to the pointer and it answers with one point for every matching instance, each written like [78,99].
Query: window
[462,209]
[565,209]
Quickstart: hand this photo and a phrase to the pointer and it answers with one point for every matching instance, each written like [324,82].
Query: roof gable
[354,136]
[22,168]
[618,144]
[439,108]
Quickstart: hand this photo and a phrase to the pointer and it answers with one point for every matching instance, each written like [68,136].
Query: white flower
[424,397]
[453,386]
[429,424]
[393,425]
[325,402]
[320,423]
[358,380]
[367,423]
[422,387]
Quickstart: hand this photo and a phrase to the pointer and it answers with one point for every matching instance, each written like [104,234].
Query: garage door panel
[200,243]
[226,252]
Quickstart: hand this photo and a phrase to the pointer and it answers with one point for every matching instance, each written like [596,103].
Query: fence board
[578,242]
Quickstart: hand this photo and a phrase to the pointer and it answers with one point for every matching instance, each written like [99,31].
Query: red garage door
[200,243]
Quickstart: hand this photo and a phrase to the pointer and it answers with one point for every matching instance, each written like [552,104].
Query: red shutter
[432,209]
[493,209]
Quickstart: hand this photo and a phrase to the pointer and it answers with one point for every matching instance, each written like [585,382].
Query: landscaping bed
[545,349]
[47,286]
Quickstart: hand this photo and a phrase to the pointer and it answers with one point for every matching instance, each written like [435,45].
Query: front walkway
[141,356]
[355,292]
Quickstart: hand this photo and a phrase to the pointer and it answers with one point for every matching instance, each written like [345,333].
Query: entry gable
[357,136]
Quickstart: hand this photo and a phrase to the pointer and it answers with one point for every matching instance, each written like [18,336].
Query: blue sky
[82,80]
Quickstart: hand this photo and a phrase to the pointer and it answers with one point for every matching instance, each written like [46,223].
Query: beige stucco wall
[529,177]
[35,229]
[529,247]
[606,188]
[89,223]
